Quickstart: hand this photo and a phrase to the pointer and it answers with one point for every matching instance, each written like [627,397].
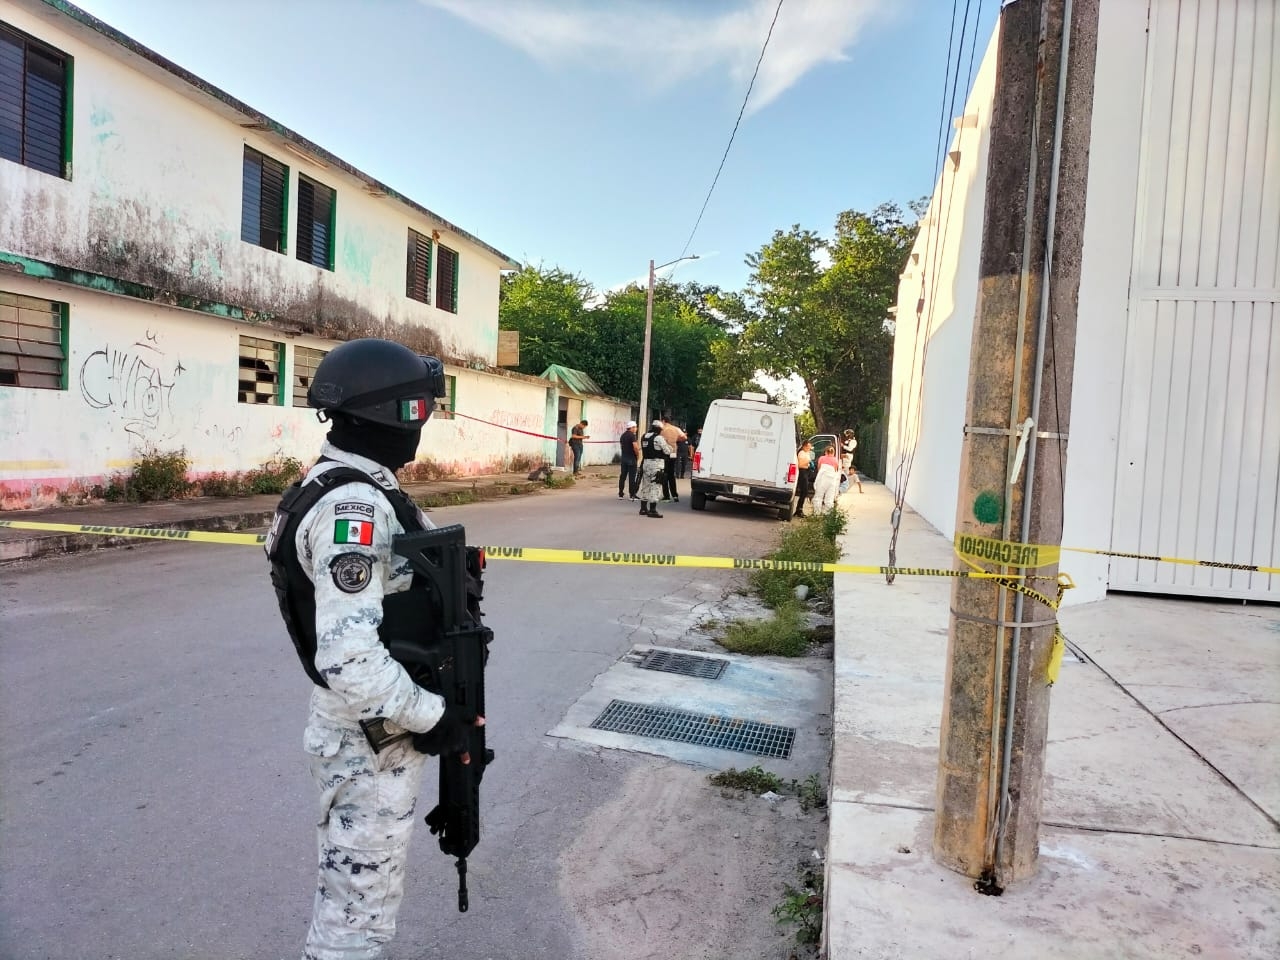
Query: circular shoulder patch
[351,571]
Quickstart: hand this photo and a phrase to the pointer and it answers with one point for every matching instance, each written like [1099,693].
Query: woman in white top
[848,444]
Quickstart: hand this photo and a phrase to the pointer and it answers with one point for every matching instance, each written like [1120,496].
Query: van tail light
[697,460]
[791,474]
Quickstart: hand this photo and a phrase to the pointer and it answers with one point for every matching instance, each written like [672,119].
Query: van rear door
[746,443]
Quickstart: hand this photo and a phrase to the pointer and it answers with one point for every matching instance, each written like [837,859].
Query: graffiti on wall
[136,382]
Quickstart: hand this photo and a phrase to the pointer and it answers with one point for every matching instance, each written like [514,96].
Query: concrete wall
[147,377]
[155,198]
[937,300]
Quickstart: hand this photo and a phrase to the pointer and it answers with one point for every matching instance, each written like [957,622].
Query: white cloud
[664,46]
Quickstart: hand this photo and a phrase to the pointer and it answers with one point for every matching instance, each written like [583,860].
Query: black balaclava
[389,446]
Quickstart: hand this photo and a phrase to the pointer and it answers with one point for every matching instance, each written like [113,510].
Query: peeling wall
[155,198]
[143,376]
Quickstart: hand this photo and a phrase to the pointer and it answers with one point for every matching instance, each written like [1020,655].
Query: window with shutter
[262,207]
[33,342]
[315,223]
[446,278]
[34,81]
[418,268]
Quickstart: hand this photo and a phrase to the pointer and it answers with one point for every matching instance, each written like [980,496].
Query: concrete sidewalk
[201,513]
[1159,832]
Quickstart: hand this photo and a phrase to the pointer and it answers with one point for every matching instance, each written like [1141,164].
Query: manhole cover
[686,664]
[723,733]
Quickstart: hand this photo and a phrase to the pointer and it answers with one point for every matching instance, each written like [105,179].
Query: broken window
[33,342]
[315,223]
[34,103]
[260,362]
[305,361]
[262,206]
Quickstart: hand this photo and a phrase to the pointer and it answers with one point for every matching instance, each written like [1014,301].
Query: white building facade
[173,265]
[1174,445]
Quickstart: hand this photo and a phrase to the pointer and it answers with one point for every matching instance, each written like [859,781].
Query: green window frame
[446,278]
[36,96]
[260,364]
[418,267]
[305,361]
[33,342]
[317,220]
[449,402]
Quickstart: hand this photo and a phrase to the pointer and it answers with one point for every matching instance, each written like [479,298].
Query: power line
[716,179]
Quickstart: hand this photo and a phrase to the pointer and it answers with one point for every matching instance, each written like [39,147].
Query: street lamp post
[648,338]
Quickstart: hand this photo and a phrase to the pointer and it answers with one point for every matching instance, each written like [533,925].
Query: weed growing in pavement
[785,635]
[810,791]
[753,780]
[808,539]
[559,481]
[157,475]
[802,906]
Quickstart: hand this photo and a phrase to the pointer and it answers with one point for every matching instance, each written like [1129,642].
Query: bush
[785,635]
[223,485]
[808,540]
[526,463]
[422,470]
[157,475]
[274,476]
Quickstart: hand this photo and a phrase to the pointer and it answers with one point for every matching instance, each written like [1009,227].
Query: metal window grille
[448,403]
[418,268]
[305,361]
[446,278]
[315,223]
[260,370]
[262,206]
[33,347]
[33,103]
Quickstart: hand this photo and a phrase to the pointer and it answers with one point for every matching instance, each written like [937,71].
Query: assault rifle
[448,660]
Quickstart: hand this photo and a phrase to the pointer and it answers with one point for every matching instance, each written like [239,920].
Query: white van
[747,453]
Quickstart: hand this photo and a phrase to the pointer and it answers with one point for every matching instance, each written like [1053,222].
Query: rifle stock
[452,665]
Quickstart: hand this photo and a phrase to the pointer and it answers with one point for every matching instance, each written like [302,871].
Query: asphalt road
[155,798]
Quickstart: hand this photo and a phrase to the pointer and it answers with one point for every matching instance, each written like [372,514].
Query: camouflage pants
[367,805]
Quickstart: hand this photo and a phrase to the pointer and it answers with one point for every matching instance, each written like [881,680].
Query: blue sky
[585,133]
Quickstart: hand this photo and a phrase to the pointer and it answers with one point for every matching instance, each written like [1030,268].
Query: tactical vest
[410,613]
[649,446]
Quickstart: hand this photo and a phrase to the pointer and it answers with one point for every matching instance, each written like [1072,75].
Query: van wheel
[698,500]
[784,513]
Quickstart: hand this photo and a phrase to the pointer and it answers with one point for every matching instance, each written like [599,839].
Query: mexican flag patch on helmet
[411,411]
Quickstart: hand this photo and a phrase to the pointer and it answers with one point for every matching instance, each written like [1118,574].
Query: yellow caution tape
[1215,564]
[146,533]
[536,554]
[1006,553]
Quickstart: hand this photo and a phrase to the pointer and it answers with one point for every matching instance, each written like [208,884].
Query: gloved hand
[448,736]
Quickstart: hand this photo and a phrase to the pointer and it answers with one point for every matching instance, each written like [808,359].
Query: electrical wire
[909,432]
[716,178]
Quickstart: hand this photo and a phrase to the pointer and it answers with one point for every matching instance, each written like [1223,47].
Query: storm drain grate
[686,664]
[723,733]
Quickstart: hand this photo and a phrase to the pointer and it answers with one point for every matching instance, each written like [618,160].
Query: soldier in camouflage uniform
[377,396]
[655,451]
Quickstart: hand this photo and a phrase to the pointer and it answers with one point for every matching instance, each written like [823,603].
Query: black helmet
[379,381]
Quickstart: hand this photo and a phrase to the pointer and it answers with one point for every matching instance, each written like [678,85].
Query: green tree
[548,307]
[826,324]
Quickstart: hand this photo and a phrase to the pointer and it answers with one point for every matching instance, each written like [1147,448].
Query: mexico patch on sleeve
[353,531]
[351,571]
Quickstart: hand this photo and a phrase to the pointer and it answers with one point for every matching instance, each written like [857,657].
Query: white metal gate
[1198,471]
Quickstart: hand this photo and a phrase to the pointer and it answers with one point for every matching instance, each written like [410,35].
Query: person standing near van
[827,482]
[628,475]
[672,435]
[804,457]
[655,451]
[848,444]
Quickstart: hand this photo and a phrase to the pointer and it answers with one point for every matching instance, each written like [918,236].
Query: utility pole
[996,711]
[648,337]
